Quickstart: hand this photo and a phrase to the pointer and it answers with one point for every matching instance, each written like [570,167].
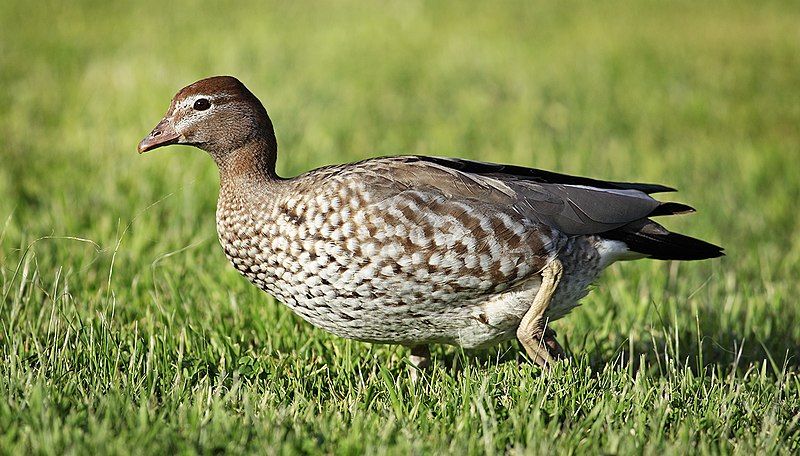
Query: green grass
[123,328]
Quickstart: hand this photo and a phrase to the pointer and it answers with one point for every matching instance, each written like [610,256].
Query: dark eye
[202,104]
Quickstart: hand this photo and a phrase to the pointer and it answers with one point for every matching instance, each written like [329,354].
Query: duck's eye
[202,104]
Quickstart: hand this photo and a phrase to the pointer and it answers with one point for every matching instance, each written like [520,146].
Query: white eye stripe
[190,115]
[190,101]
[215,98]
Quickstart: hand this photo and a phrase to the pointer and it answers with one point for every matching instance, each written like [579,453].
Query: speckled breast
[400,267]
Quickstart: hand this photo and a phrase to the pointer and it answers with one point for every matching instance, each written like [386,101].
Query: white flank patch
[392,250]
[359,218]
[506,266]
[322,204]
[451,261]
[485,261]
[368,249]
[611,251]
[347,229]
[417,237]
[279,243]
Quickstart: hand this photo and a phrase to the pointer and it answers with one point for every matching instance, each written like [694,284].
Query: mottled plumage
[415,250]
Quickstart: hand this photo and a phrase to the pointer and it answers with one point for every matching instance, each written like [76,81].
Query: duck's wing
[573,205]
[533,174]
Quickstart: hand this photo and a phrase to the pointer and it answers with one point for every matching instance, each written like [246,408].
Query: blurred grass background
[122,326]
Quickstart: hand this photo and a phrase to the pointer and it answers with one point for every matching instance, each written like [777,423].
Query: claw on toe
[552,345]
[543,348]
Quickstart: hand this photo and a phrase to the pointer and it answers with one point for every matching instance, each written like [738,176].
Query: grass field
[122,327]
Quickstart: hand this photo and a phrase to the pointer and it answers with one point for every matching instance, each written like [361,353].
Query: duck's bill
[163,135]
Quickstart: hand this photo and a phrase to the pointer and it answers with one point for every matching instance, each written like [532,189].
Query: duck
[416,250]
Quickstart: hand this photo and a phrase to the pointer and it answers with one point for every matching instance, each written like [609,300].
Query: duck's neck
[251,164]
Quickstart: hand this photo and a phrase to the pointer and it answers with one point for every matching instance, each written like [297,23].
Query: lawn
[123,328]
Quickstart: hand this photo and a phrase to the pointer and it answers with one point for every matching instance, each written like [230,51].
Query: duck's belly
[384,304]
[414,313]
[470,322]
[410,269]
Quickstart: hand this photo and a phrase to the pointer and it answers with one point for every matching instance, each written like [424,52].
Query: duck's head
[218,115]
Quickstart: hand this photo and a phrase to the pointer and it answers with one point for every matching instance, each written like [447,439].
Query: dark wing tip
[671,208]
[646,188]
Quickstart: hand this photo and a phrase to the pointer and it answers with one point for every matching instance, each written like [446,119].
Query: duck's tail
[649,238]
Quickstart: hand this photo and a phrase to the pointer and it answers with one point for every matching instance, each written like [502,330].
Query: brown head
[222,117]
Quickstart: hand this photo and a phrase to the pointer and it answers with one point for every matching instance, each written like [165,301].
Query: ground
[123,327]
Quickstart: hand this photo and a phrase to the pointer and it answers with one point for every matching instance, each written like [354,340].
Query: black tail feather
[650,238]
[671,208]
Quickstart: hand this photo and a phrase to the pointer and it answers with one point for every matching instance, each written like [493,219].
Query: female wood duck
[415,250]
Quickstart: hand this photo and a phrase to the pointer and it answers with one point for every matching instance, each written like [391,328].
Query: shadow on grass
[717,349]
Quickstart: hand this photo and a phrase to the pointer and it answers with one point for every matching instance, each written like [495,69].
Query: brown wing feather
[571,208]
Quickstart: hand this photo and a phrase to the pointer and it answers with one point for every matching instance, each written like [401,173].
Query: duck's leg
[539,341]
[420,359]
